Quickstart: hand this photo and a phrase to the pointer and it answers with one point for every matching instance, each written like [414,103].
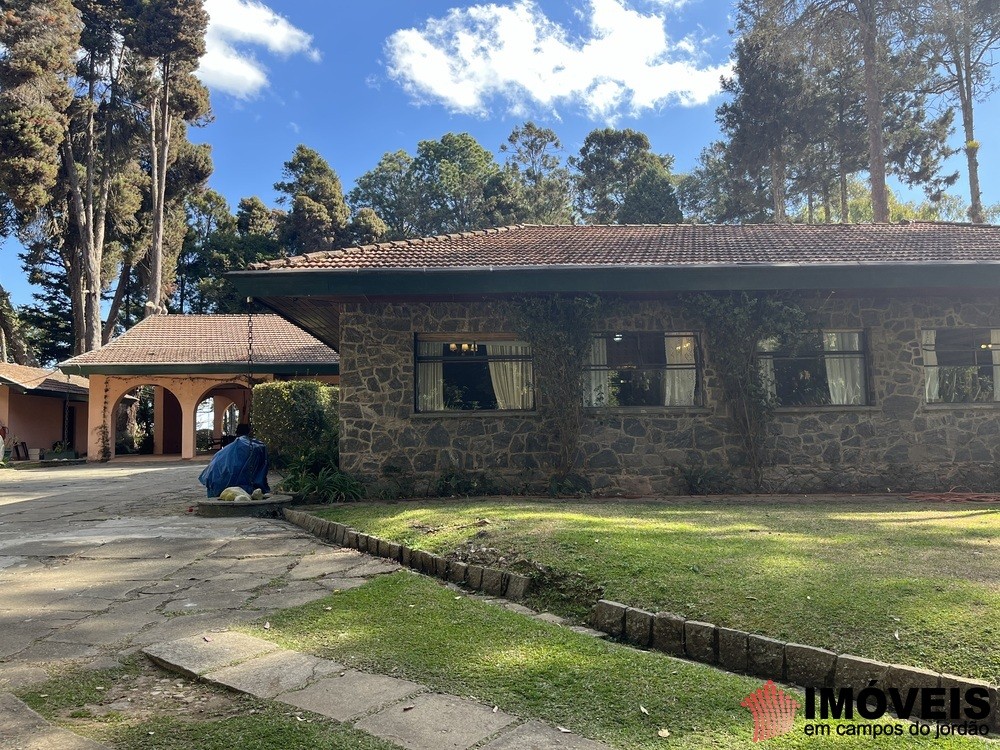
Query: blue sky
[356,79]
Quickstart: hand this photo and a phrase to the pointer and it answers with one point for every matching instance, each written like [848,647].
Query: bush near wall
[295,419]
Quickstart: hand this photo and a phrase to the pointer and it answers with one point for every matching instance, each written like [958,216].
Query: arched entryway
[220,411]
[146,419]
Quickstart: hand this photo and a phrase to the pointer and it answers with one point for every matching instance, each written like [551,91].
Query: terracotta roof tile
[668,245]
[39,379]
[211,339]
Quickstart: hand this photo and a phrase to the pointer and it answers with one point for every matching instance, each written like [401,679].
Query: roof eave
[424,282]
[203,368]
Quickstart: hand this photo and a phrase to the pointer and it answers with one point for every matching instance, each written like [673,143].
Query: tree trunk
[778,185]
[116,303]
[160,150]
[873,110]
[964,75]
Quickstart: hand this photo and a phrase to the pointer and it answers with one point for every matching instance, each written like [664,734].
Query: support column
[96,417]
[189,424]
[219,411]
[158,420]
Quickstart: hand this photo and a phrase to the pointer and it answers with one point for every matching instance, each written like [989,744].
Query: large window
[642,369]
[826,369]
[466,375]
[961,365]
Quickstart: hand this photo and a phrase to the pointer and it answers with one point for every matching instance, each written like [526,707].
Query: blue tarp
[242,463]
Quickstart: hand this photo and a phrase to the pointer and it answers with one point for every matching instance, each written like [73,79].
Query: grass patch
[93,704]
[413,627]
[266,729]
[904,582]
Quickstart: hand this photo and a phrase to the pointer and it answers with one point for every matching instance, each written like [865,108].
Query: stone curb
[748,653]
[732,650]
[377,704]
[491,581]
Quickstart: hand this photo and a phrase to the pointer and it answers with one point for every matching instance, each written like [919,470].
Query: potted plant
[60,452]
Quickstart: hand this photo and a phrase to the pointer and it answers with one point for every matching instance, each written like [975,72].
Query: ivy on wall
[560,330]
[735,324]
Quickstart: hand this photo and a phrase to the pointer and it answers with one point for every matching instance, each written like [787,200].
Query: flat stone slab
[198,654]
[538,736]
[326,561]
[436,722]
[350,695]
[277,672]
[23,729]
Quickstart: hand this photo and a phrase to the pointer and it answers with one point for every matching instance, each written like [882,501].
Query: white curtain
[430,377]
[995,351]
[932,380]
[766,364]
[844,374]
[597,387]
[511,379]
[679,384]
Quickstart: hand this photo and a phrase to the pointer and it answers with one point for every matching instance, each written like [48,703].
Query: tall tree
[171,35]
[963,36]
[533,154]
[255,218]
[37,42]
[651,199]
[13,342]
[389,190]
[318,214]
[768,91]
[609,163]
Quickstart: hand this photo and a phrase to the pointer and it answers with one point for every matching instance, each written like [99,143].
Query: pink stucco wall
[35,420]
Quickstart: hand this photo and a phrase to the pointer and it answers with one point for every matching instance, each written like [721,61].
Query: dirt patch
[565,592]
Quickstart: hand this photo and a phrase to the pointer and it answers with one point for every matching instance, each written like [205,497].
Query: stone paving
[99,561]
[400,711]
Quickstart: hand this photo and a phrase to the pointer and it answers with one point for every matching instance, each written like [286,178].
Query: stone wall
[896,443]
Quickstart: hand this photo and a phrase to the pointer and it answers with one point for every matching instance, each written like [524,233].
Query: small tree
[296,418]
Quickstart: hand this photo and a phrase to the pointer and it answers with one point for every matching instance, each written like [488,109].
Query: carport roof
[200,344]
[39,381]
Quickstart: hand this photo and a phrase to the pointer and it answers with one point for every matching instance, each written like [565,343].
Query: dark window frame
[820,355]
[661,368]
[979,371]
[479,339]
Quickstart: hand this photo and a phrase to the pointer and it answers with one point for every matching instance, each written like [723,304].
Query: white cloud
[235,25]
[514,52]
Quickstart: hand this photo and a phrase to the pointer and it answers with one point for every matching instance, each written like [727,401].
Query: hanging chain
[250,364]
[67,438]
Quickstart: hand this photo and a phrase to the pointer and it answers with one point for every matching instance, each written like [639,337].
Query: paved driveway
[99,560]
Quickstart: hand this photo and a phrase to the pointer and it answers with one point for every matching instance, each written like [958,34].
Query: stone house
[899,384]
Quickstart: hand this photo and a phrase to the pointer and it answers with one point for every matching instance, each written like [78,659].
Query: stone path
[102,560]
[397,710]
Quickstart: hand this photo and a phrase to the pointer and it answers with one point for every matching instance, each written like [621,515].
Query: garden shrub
[297,420]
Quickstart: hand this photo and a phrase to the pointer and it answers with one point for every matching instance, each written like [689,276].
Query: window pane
[962,365]
[471,376]
[641,369]
[827,369]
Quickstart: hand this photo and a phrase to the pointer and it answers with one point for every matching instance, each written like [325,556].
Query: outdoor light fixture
[618,338]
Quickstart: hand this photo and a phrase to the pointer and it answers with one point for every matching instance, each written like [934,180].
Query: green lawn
[906,582]
[414,627]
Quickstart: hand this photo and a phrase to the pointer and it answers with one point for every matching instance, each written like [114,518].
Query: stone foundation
[896,443]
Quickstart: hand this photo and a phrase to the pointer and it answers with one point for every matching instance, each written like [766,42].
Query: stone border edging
[757,655]
[728,649]
[491,581]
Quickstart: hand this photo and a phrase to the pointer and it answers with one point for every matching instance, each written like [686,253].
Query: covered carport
[187,359]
